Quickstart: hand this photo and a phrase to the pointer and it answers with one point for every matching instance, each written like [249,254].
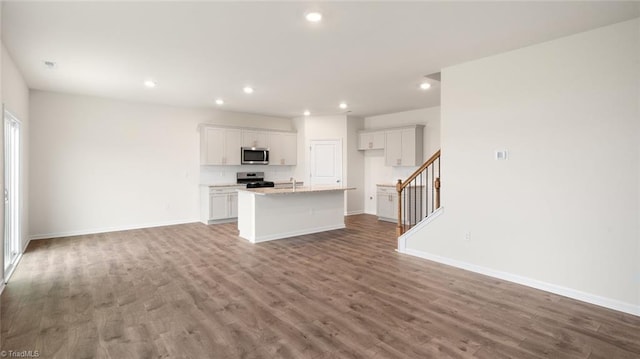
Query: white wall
[355,166]
[100,164]
[14,88]
[239,119]
[562,212]
[376,172]
[1,156]
[319,128]
[333,128]
[16,100]
[300,172]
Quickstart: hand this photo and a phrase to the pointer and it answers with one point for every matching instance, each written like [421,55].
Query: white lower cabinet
[218,204]
[387,203]
[233,205]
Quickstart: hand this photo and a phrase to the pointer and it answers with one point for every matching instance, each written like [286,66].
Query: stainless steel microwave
[254,156]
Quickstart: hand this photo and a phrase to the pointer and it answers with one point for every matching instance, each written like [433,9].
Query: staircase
[419,194]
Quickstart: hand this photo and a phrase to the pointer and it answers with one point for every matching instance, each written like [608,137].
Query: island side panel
[287,215]
[247,215]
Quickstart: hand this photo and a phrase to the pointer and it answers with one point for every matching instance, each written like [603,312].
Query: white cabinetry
[403,146]
[371,140]
[283,149]
[218,204]
[251,138]
[219,146]
[387,203]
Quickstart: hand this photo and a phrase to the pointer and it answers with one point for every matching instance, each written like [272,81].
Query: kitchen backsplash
[227,174]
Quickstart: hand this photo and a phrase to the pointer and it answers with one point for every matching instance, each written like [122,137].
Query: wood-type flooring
[196,291]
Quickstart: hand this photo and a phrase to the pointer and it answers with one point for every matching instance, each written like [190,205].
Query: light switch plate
[501,155]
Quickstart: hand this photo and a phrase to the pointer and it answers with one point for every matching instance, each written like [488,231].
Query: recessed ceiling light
[307,113]
[219,102]
[343,105]
[313,16]
[248,89]
[425,86]
[50,65]
[150,83]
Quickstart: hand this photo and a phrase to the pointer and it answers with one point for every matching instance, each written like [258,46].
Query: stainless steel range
[253,179]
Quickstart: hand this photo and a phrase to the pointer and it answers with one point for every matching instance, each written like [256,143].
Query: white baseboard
[293,233]
[533,283]
[24,248]
[109,229]
[351,213]
[7,276]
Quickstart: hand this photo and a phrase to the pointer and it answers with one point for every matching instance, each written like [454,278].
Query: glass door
[11,193]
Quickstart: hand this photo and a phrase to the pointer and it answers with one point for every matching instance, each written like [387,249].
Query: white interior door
[11,193]
[326,163]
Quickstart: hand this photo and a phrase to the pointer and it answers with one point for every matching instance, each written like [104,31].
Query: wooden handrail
[418,171]
[415,214]
[399,228]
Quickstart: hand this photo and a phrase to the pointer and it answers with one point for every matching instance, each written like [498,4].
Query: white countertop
[394,185]
[221,185]
[239,185]
[272,191]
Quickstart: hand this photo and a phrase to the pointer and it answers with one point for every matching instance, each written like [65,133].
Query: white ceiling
[373,55]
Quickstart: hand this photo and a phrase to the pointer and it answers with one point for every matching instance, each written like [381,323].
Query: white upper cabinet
[251,138]
[219,146]
[283,148]
[371,140]
[403,146]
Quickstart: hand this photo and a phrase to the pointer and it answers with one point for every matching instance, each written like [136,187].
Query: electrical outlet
[467,236]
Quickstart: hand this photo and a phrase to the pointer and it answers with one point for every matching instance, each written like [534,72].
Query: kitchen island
[266,214]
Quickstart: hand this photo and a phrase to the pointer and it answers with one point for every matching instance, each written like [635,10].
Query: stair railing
[419,194]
